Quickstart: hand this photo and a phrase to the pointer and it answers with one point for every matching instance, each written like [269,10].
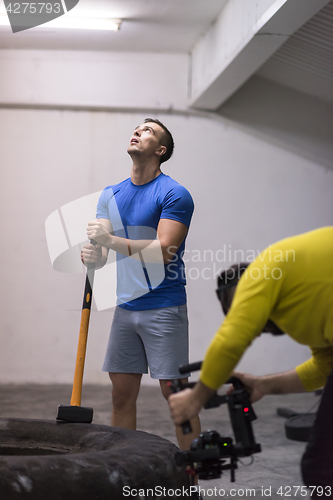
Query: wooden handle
[83,337]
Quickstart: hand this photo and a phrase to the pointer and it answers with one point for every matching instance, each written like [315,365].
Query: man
[288,288]
[145,219]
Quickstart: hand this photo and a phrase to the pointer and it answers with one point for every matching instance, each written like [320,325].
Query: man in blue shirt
[145,219]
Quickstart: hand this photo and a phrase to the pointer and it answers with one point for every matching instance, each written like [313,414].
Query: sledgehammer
[75,412]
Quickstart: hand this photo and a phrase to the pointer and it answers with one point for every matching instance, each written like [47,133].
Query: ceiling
[147,26]
[305,61]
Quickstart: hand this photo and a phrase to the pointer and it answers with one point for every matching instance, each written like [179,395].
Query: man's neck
[142,174]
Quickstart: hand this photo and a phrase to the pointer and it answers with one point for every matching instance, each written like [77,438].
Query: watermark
[229,254]
[25,15]
[217,492]
[162,491]
[129,275]
[207,264]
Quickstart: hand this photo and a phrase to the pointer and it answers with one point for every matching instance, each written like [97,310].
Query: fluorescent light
[84,23]
[71,22]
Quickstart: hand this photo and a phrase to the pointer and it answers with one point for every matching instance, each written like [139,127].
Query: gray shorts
[157,338]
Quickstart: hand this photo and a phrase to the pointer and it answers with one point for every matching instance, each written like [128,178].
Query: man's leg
[184,440]
[125,391]
[164,333]
[317,461]
[125,361]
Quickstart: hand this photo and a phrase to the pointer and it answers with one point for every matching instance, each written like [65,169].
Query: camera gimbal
[209,452]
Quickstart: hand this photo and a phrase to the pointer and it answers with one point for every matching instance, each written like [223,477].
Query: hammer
[75,412]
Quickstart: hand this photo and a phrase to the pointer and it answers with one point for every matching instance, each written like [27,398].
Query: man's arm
[186,404]
[170,234]
[314,371]
[277,383]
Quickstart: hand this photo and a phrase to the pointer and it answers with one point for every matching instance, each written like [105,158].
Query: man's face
[146,139]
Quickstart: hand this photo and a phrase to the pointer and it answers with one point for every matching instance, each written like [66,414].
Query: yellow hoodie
[290,283]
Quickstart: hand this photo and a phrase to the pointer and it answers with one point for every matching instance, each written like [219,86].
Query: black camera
[210,453]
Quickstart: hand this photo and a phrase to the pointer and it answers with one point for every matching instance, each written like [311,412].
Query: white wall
[296,121]
[93,79]
[248,193]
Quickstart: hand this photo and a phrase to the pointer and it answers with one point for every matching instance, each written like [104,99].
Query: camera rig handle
[176,386]
[192,367]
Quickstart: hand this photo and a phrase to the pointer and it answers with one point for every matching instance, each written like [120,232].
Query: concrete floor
[275,467]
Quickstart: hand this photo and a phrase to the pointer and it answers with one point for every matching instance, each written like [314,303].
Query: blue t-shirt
[135,212]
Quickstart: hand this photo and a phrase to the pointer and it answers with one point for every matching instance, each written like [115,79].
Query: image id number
[292,491]
[34,8]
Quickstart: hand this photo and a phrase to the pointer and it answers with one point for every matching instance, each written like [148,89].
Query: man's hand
[97,231]
[186,404]
[252,384]
[277,383]
[183,406]
[93,255]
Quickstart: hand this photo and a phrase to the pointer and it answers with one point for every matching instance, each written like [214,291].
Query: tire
[44,459]
[298,427]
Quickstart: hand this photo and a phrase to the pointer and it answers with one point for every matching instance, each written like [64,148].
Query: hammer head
[75,414]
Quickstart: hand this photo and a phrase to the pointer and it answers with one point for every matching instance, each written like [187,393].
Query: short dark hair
[226,283]
[167,139]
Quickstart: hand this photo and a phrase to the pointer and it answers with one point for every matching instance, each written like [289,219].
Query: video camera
[209,452]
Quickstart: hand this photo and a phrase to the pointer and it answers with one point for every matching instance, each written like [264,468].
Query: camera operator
[288,288]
